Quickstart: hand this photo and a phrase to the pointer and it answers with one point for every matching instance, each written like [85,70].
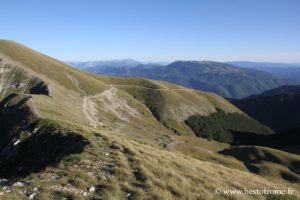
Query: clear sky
[156,30]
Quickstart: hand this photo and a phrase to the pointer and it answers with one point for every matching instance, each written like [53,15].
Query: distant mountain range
[106,63]
[109,66]
[283,70]
[221,78]
[278,108]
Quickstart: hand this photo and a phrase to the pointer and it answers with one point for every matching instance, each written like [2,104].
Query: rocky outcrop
[17,118]
[14,79]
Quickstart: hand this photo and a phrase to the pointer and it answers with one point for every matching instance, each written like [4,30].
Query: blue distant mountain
[283,70]
[222,78]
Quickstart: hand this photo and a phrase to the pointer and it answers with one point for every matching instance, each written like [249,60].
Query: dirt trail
[159,89]
[114,104]
[88,106]
[35,108]
[174,143]
[90,111]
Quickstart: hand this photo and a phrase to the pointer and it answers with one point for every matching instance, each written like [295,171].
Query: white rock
[31,197]
[92,189]
[85,194]
[35,130]
[104,178]
[18,184]
[17,142]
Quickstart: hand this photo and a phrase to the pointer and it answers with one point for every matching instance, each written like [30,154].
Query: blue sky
[156,30]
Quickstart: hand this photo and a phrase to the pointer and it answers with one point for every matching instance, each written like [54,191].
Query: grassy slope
[170,104]
[123,157]
[119,167]
[173,104]
[205,150]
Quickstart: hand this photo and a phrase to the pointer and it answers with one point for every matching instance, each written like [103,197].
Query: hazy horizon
[166,62]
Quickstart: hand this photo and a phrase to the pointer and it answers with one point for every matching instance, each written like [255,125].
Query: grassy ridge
[48,68]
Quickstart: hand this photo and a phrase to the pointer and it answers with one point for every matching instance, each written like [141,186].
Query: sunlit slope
[102,101]
[170,104]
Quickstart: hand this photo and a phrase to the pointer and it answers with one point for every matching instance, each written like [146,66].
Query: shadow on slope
[288,141]
[29,144]
[267,161]
[15,115]
[279,111]
[37,150]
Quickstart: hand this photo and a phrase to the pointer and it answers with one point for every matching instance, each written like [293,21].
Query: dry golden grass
[161,174]
[205,150]
[127,159]
[122,168]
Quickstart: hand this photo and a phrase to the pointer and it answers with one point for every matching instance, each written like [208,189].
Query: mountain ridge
[210,76]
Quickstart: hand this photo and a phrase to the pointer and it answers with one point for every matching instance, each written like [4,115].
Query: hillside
[220,78]
[278,108]
[268,162]
[66,134]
